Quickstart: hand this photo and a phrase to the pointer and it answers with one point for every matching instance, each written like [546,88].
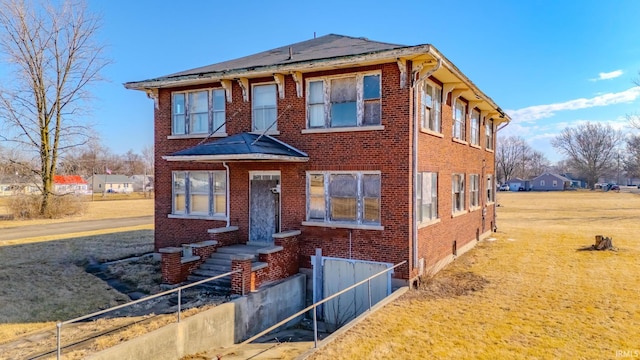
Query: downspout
[224,163]
[414,228]
[495,169]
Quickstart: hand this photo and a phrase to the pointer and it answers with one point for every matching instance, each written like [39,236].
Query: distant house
[142,182]
[15,185]
[70,184]
[550,182]
[110,183]
[577,183]
[516,183]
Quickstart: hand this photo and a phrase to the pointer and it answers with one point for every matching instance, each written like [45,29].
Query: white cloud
[609,75]
[537,112]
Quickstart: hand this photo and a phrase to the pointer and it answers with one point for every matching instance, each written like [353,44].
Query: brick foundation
[244,265]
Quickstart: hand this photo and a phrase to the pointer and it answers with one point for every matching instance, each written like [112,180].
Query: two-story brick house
[368,151]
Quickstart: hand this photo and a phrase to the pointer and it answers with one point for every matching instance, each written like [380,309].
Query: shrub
[28,206]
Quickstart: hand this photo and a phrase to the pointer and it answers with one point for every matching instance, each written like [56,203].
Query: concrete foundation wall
[211,328]
[221,326]
[268,306]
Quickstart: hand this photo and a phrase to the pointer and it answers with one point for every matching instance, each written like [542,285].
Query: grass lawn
[539,298]
[44,281]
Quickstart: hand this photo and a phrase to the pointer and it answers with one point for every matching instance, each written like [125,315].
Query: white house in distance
[110,183]
[70,184]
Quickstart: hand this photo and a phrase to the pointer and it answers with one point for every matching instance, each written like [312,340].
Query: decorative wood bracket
[153,94]
[473,104]
[279,79]
[447,88]
[297,77]
[244,85]
[483,115]
[402,65]
[227,85]
[455,94]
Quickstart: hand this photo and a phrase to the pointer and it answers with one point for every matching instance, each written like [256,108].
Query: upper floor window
[427,197]
[475,127]
[459,119]
[457,193]
[198,112]
[349,101]
[348,197]
[199,193]
[264,107]
[474,190]
[488,128]
[431,108]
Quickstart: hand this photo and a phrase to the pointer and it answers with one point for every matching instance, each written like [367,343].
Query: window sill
[489,203]
[489,150]
[196,217]
[431,132]
[428,223]
[456,140]
[343,129]
[342,225]
[474,208]
[270,132]
[475,146]
[196,136]
[458,213]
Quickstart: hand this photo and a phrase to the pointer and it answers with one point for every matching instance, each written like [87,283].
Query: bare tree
[591,148]
[536,165]
[632,161]
[512,155]
[55,58]
[634,119]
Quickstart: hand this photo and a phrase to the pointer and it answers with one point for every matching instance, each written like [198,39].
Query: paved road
[21,232]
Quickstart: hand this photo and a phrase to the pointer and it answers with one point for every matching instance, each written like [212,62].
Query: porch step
[220,263]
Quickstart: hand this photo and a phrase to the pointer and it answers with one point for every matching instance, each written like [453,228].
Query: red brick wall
[282,264]
[388,151]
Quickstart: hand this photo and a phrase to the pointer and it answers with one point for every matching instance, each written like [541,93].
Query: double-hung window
[475,127]
[427,197]
[488,128]
[474,190]
[459,117]
[264,107]
[431,108]
[457,192]
[199,193]
[347,101]
[491,189]
[198,112]
[344,197]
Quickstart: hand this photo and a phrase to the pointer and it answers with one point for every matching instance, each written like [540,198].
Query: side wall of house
[441,154]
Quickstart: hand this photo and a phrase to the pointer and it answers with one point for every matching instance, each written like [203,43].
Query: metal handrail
[151,297]
[314,306]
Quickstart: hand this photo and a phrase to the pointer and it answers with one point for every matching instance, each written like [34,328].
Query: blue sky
[549,64]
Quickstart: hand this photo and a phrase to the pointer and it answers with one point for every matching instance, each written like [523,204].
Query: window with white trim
[457,193]
[431,108]
[491,189]
[555,183]
[474,190]
[542,183]
[475,127]
[199,193]
[344,197]
[488,132]
[427,197]
[198,112]
[264,101]
[459,119]
[345,101]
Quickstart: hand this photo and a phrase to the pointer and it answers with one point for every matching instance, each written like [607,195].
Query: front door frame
[279,193]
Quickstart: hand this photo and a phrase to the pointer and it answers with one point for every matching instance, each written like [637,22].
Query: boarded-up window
[343,191]
[317,207]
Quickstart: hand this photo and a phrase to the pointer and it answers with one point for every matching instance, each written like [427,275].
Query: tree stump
[603,243]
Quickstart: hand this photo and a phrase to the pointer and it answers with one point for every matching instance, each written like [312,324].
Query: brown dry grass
[95,210]
[542,299]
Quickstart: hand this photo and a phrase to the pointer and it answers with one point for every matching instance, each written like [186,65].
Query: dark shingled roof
[324,47]
[243,146]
